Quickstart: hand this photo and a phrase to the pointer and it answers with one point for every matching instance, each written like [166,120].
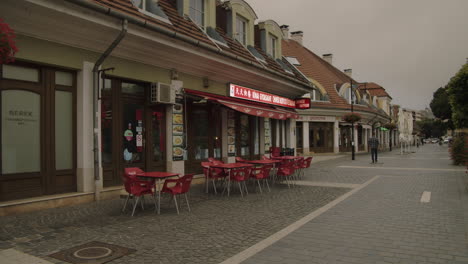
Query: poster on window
[231,134]
[267,135]
[178,133]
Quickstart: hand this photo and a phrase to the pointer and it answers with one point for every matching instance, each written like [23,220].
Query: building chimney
[297,36]
[328,58]
[349,72]
[285,30]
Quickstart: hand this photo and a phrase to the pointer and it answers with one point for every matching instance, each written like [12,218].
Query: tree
[440,105]
[432,128]
[457,90]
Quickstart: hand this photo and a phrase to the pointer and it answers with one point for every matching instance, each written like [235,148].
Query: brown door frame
[45,88]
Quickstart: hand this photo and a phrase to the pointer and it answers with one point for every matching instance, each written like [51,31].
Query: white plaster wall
[85,154]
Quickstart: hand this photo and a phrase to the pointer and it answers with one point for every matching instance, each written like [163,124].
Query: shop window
[132,126]
[197,13]
[299,135]
[106,128]
[63,130]
[21,123]
[158,135]
[244,135]
[241,30]
[20,73]
[64,78]
[133,89]
[200,136]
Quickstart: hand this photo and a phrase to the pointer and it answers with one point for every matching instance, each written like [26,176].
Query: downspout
[96,148]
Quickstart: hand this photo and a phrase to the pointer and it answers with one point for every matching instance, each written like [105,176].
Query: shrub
[458,150]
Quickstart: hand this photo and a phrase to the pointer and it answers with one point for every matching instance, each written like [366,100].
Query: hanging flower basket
[390,126]
[352,117]
[8,47]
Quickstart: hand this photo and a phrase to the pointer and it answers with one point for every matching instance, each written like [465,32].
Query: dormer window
[151,8]
[197,13]
[273,46]
[241,30]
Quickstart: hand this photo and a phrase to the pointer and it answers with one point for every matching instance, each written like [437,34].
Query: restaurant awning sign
[303,103]
[241,92]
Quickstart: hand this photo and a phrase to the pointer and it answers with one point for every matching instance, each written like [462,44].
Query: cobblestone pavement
[385,221]
[217,228]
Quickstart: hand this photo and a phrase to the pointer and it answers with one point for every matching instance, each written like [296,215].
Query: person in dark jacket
[373,143]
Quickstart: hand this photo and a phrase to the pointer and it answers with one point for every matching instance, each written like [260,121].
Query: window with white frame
[197,13]
[273,45]
[151,8]
[241,30]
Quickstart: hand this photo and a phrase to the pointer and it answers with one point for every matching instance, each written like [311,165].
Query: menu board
[231,134]
[267,135]
[178,132]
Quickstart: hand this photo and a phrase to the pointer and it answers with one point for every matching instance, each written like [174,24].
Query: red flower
[8,47]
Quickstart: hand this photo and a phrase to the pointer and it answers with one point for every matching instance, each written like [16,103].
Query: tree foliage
[431,128]
[457,90]
[440,105]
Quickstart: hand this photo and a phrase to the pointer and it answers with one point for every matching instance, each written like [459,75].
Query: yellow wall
[272,29]
[239,9]
[46,52]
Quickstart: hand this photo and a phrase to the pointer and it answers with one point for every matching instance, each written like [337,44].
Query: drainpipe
[96,149]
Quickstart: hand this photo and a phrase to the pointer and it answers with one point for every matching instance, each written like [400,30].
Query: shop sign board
[241,92]
[317,118]
[303,103]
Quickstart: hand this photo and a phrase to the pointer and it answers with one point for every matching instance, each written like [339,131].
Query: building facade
[99,86]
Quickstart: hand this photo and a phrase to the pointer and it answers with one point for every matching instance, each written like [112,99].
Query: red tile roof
[374,89]
[323,72]
[186,27]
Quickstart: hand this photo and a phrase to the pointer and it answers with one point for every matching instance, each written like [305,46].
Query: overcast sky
[410,47]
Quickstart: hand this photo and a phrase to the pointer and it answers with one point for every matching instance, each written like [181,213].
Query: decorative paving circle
[93,252]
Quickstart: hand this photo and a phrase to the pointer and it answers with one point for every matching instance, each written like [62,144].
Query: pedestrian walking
[373,143]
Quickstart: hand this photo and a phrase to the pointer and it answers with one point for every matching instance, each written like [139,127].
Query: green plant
[390,126]
[459,150]
[352,117]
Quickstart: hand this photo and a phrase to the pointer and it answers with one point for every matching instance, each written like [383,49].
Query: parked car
[435,140]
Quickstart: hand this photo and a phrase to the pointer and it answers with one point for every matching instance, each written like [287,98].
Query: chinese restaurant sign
[303,103]
[241,92]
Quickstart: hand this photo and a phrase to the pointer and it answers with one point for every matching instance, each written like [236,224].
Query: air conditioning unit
[162,93]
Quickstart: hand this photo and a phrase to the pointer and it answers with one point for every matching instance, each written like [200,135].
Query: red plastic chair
[275,151]
[297,164]
[213,174]
[286,171]
[136,187]
[181,186]
[262,174]
[240,175]
[305,165]
[264,157]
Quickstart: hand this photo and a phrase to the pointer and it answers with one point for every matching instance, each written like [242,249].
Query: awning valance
[251,108]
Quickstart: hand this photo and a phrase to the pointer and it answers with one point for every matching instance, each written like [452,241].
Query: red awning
[251,108]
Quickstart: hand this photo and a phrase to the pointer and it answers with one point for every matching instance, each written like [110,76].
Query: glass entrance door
[133,131]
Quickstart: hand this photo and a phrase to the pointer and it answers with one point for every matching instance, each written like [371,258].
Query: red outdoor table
[228,167]
[159,176]
[286,157]
[262,162]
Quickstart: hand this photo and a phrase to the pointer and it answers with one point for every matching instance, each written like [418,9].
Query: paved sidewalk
[343,211]
[386,221]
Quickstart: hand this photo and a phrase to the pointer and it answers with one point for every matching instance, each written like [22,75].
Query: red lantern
[8,47]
